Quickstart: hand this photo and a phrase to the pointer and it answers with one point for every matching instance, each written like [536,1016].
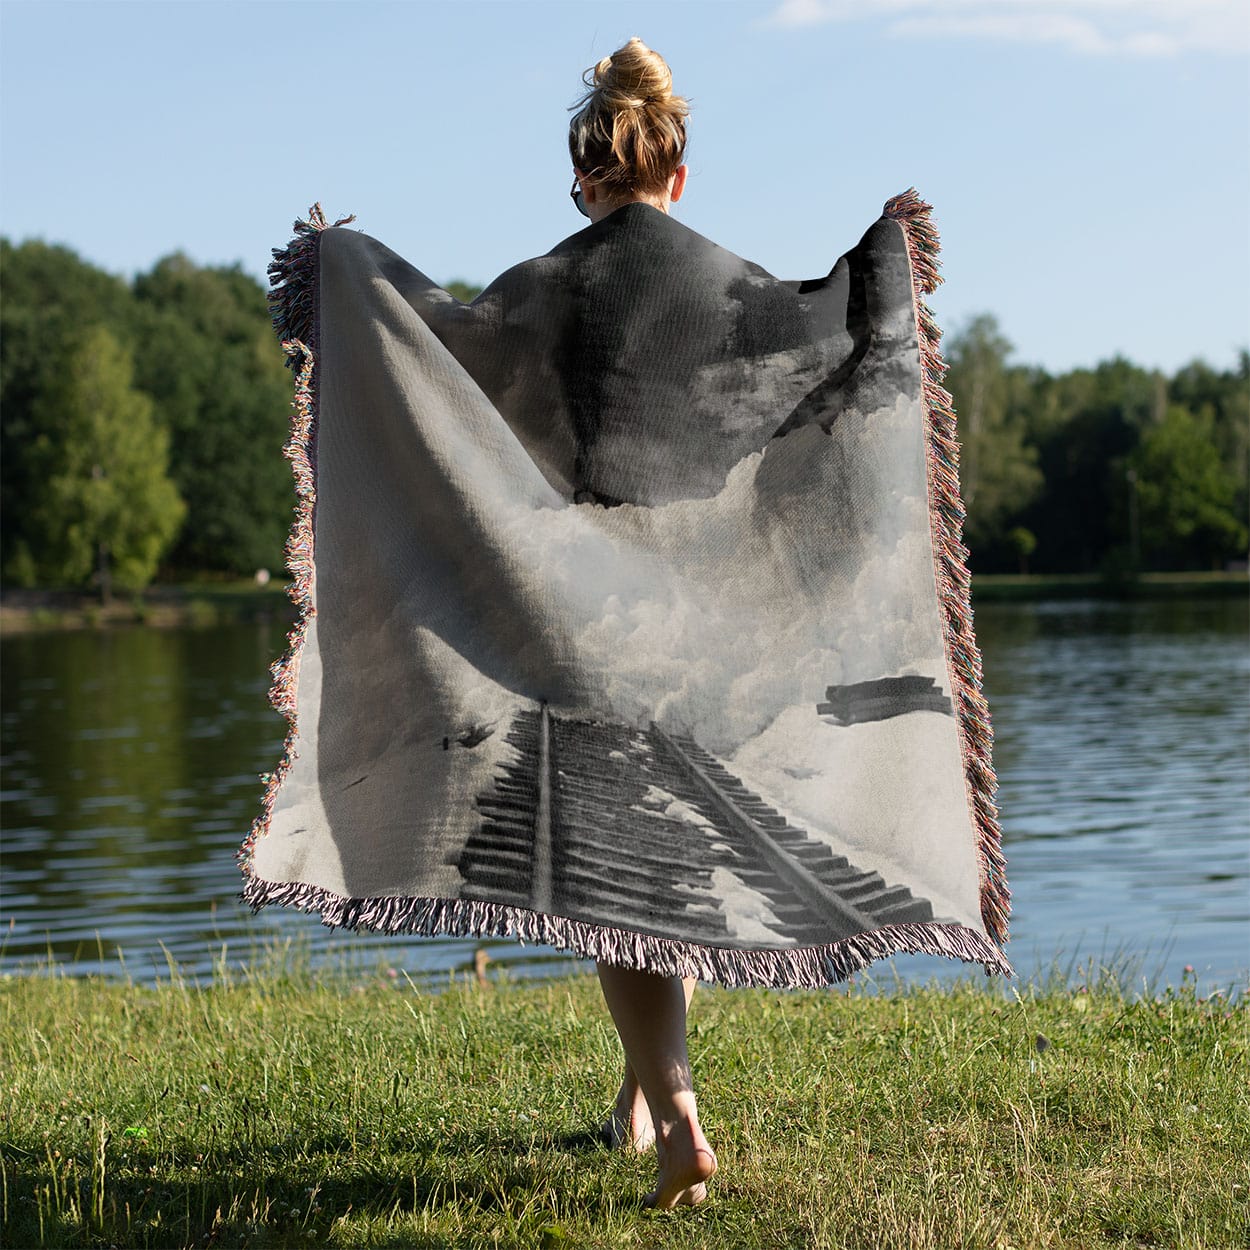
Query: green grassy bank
[289,1110]
[996,587]
[219,602]
[188,603]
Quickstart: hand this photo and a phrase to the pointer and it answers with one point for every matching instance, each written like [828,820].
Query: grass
[282,1107]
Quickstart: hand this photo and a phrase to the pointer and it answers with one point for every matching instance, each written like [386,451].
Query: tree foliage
[207,355]
[464,291]
[998,467]
[51,299]
[143,422]
[1186,491]
[1066,473]
[105,505]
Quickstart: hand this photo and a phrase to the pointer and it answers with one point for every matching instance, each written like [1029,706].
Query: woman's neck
[603,208]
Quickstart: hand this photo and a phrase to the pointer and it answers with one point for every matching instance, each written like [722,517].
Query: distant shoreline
[999,587]
[173,605]
[199,604]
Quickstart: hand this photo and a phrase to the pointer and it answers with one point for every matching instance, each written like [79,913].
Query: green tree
[1222,398]
[1186,495]
[1085,424]
[106,505]
[1023,542]
[465,292]
[208,357]
[51,298]
[998,470]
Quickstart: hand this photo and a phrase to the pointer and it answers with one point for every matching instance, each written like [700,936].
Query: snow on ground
[889,795]
[657,795]
[672,807]
[747,912]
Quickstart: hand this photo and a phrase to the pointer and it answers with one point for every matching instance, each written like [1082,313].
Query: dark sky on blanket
[1087,159]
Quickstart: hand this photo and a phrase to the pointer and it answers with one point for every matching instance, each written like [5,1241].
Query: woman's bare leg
[629,1125]
[650,1016]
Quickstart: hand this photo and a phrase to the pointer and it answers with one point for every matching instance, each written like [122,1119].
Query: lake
[1122,733]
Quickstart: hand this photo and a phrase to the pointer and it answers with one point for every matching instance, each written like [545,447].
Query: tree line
[142,423]
[1112,470]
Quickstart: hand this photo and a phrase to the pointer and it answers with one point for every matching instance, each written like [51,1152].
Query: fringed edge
[293,281]
[808,967]
[954,583]
[293,303]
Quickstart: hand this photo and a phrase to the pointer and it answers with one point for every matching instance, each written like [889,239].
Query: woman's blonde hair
[629,133]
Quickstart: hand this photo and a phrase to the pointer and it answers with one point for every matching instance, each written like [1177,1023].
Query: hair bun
[634,76]
[630,129]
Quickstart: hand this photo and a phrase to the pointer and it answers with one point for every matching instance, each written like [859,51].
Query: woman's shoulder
[639,244]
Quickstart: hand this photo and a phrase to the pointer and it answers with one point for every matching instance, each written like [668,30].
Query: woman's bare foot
[629,1126]
[686,1165]
[649,1011]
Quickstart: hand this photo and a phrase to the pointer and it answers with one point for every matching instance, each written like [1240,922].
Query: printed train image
[645,830]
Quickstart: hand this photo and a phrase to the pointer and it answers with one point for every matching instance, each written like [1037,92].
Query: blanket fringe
[954,582]
[808,967]
[293,304]
[293,281]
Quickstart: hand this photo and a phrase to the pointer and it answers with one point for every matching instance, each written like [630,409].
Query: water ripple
[131,776]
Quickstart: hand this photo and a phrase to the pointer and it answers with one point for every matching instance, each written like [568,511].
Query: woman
[627,141]
[639,622]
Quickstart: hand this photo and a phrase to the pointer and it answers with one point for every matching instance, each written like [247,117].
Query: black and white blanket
[634,617]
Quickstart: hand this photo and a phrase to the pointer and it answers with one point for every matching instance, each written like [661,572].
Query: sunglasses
[576,195]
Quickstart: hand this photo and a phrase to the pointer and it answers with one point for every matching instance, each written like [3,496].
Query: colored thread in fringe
[293,281]
[293,304]
[809,967]
[946,511]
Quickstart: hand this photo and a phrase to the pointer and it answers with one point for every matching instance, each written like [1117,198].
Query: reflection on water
[1122,744]
[131,762]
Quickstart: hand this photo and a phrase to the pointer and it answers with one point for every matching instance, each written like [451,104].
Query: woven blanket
[633,613]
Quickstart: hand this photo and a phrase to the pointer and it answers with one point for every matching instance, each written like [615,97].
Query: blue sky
[1088,160]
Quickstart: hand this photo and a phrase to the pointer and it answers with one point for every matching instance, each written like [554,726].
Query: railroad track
[629,827]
